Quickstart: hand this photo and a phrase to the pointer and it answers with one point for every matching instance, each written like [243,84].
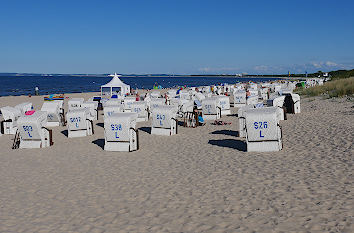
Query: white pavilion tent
[115,87]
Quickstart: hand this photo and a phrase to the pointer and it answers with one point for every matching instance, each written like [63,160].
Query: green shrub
[340,74]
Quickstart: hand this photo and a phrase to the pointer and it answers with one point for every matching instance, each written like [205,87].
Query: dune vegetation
[334,88]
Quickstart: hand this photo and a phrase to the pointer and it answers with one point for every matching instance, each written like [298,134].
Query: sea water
[25,85]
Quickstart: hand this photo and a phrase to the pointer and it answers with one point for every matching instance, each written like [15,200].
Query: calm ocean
[24,85]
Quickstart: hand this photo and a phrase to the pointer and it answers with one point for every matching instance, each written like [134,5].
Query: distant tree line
[338,74]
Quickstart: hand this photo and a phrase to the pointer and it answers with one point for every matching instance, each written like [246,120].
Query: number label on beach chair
[238,99]
[263,132]
[76,120]
[116,128]
[163,120]
[137,110]
[260,125]
[208,108]
[28,129]
[160,117]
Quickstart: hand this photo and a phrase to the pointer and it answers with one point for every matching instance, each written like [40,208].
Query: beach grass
[335,88]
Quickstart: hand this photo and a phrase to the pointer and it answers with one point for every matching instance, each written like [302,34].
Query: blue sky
[176,36]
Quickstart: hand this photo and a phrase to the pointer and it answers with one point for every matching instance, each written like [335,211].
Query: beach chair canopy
[157,102]
[110,109]
[224,102]
[139,107]
[53,111]
[30,127]
[210,105]
[24,107]
[162,116]
[128,102]
[76,119]
[75,103]
[10,113]
[262,124]
[240,97]
[118,126]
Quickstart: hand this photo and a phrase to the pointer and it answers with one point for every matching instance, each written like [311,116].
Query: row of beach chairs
[258,124]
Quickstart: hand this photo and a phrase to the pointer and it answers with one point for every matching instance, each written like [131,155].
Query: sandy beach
[200,180]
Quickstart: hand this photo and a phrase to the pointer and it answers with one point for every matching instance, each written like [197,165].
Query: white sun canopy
[115,87]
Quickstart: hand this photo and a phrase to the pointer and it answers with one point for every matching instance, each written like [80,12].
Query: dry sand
[200,180]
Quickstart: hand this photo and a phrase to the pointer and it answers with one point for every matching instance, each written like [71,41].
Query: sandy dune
[200,180]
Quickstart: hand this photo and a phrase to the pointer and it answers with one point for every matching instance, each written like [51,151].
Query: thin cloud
[262,68]
[329,63]
[326,64]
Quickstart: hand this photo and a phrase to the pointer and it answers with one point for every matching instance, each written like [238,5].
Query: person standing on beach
[248,93]
[167,99]
[268,93]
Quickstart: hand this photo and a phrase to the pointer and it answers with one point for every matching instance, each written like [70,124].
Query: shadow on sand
[65,132]
[227,132]
[99,142]
[100,125]
[230,143]
[180,123]
[146,129]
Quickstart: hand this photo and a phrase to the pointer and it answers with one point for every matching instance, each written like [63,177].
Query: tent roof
[115,82]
